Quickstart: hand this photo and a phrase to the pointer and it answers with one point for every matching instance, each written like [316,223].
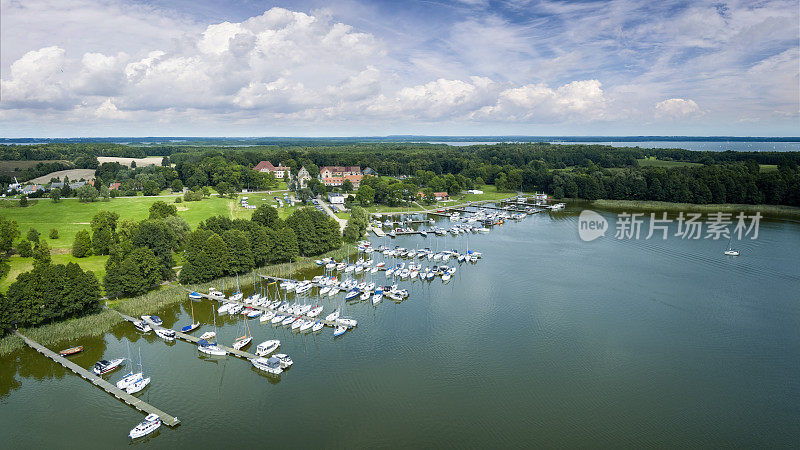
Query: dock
[265,309]
[140,405]
[378,232]
[194,340]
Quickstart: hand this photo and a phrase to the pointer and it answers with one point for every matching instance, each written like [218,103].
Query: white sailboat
[244,340]
[730,251]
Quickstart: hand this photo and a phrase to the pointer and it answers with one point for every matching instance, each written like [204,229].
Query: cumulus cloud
[583,100]
[676,108]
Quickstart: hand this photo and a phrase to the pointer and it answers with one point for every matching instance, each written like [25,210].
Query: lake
[712,146]
[546,341]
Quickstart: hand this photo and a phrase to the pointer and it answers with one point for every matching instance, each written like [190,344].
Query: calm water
[713,146]
[546,341]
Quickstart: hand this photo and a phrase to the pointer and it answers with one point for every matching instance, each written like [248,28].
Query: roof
[268,166]
[354,178]
[340,169]
[441,194]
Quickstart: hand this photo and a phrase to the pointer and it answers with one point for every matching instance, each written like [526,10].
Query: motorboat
[165,333]
[285,360]
[267,347]
[150,424]
[155,320]
[195,296]
[103,366]
[224,308]
[270,365]
[377,297]
[142,326]
[208,335]
[210,348]
[215,294]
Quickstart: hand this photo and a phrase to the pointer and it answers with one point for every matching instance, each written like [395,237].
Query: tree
[135,274]
[351,232]
[283,245]
[87,193]
[82,246]
[105,193]
[365,195]
[133,164]
[160,210]
[218,256]
[347,186]
[24,248]
[55,195]
[176,185]
[104,228]
[240,251]
[150,188]
[224,188]
[53,234]
[33,235]
[41,253]
[316,232]
[9,232]
[158,237]
[266,216]
[180,228]
[165,161]
[23,201]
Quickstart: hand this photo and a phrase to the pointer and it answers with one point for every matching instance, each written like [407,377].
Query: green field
[96,264]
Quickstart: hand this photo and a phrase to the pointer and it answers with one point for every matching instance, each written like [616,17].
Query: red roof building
[280,172]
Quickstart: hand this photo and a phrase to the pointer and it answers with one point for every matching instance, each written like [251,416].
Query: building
[338,171]
[114,186]
[303,177]
[370,171]
[31,188]
[280,172]
[441,195]
[335,181]
[335,198]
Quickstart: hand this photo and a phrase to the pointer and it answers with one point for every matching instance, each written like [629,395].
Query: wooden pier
[140,405]
[265,309]
[192,339]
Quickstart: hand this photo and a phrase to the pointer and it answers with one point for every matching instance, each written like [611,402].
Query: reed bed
[767,210]
[48,335]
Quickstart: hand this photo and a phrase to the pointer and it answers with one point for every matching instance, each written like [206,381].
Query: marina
[123,396]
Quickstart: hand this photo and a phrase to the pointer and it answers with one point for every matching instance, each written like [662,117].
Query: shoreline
[101,322]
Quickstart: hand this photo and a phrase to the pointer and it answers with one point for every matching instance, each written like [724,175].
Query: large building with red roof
[280,172]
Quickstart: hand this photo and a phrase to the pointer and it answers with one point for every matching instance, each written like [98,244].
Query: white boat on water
[353,293]
[285,360]
[150,424]
[365,295]
[103,366]
[224,308]
[278,319]
[165,333]
[346,321]
[142,326]
[210,348]
[235,308]
[340,330]
[237,296]
[298,323]
[288,320]
[208,335]
[333,316]
[307,324]
[267,316]
[270,365]
[215,294]
[267,347]
[317,326]
[377,297]
[315,311]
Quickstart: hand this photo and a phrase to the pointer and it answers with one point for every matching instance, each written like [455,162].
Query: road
[324,204]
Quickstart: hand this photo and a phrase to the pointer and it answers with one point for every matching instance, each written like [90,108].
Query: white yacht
[267,347]
[147,426]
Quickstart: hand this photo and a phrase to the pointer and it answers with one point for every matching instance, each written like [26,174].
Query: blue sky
[343,68]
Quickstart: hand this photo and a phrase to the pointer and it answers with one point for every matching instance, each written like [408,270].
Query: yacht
[210,348]
[270,365]
[165,333]
[142,326]
[103,366]
[235,308]
[208,335]
[155,320]
[284,359]
[147,426]
[332,316]
[267,347]
[347,321]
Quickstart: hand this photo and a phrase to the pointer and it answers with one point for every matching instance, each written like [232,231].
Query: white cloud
[38,80]
[676,108]
[579,100]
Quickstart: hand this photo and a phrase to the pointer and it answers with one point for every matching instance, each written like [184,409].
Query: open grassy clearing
[652,161]
[73,174]
[18,264]
[140,162]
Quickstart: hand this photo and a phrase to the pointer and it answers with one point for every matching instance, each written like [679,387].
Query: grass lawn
[653,162]
[489,193]
[768,168]
[96,264]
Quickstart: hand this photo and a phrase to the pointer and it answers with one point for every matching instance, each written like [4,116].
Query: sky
[87,68]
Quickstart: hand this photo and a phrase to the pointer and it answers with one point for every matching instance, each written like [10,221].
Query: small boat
[332,316]
[208,335]
[103,366]
[210,348]
[71,351]
[347,322]
[236,296]
[195,296]
[317,326]
[188,328]
[377,297]
[147,426]
[267,347]
[315,311]
[730,251]
[269,315]
[215,294]
[365,295]
[224,308]
[244,340]
[307,325]
[155,320]
[288,320]
[235,308]
[298,323]
[278,318]
[142,326]
[340,330]
[139,384]
[353,293]
[165,333]
[270,365]
[252,314]
[284,359]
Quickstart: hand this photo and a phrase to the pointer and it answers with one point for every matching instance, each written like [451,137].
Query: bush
[23,201]
[53,234]
[33,235]
[178,200]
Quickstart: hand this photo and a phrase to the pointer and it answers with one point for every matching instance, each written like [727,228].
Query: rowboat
[71,351]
